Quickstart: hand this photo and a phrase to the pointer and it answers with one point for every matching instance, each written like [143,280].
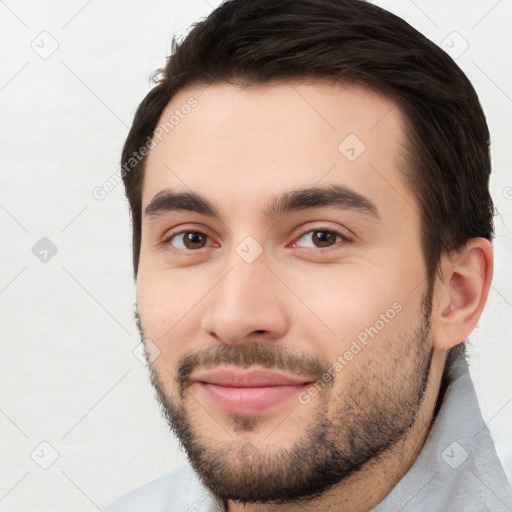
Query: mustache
[245,355]
[242,356]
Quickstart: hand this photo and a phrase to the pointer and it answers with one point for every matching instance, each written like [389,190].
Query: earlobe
[467,276]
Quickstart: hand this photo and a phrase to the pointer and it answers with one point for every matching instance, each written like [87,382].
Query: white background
[69,376]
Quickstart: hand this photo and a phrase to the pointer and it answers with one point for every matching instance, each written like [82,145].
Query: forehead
[238,145]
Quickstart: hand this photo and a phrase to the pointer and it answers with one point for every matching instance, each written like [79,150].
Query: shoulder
[177,490]
[458,468]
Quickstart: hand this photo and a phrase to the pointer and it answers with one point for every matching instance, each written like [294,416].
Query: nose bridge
[244,287]
[245,300]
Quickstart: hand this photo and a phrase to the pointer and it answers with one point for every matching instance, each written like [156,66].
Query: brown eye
[323,238]
[189,240]
[319,238]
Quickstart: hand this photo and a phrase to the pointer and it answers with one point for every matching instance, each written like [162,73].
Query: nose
[246,304]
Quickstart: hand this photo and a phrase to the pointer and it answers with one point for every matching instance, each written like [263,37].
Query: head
[308,183]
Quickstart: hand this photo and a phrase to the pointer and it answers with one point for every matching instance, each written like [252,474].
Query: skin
[239,148]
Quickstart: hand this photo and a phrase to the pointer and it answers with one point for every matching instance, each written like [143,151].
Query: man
[312,227]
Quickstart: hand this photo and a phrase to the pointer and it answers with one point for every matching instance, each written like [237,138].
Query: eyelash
[343,237]
[321,230]
[169,239]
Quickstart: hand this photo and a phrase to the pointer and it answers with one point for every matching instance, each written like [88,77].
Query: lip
[248,378]
[248,391]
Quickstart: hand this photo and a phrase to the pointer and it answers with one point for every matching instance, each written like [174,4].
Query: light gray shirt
[457,470]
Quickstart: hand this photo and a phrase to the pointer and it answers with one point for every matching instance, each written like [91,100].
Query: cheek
[168,308]
[345,301]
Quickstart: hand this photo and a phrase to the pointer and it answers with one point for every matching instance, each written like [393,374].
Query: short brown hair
[351,41]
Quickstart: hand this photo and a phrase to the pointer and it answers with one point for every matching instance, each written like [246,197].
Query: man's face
[290,324]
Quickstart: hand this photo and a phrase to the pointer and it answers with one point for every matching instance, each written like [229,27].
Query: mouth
[250,391]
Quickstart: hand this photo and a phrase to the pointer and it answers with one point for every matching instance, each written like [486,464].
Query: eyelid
[171,233]
[195,232]
[345,235]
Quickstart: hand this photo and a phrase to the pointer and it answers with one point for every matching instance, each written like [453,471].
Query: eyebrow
[339,196]
[169,201]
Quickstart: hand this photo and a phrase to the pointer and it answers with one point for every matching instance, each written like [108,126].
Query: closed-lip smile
[247,391]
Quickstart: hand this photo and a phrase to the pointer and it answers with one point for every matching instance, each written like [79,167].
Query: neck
[369,486]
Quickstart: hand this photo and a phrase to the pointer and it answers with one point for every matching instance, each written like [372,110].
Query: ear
[461,292]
